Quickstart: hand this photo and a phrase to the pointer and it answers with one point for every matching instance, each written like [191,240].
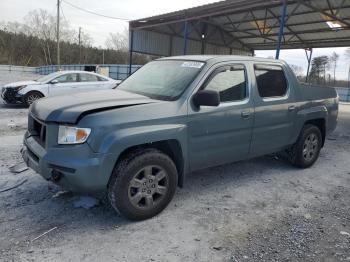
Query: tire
[32,96]
[306,150]
[142,184]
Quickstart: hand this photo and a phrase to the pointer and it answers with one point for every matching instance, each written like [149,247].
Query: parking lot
[258,210]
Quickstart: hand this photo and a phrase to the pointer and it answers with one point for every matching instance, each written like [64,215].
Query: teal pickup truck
[173,116]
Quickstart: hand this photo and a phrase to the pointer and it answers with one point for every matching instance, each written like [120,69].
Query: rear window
[88,78]
[271,81]
[101,78]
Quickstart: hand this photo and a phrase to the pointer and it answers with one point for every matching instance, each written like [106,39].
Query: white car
[59,83]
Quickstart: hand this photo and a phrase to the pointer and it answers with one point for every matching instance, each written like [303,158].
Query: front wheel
[31,97]
[142,184]
[306,150]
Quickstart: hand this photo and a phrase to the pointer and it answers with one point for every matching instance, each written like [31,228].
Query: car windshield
[162,79]
[46,78]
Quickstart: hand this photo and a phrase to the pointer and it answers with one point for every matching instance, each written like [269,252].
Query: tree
[347,54]
[33,43]
[318,68]
[298,71]
[333,60]
[42,24]
[118,41]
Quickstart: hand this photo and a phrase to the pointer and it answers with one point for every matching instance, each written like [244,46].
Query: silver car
[58,83]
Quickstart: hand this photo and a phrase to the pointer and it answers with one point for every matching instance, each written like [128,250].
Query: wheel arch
[320,123]
[170,147]
[25,97]
[34,91]
[316,115]
[41,88]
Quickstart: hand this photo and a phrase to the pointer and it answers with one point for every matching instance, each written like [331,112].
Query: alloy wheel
[310,147]
[31,98]
[148,187]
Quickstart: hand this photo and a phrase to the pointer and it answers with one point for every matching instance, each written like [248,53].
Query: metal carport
[240,27]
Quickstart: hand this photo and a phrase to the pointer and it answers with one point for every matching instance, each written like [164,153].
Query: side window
[271,81]
[101,79]
[88,78]
[229,81]
[67,78]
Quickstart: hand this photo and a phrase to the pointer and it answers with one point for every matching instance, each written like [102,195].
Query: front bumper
[75,168]
[11,96]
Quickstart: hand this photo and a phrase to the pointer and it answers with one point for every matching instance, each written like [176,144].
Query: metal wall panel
[193,47]
[151,43]
[159,44]
[216,50]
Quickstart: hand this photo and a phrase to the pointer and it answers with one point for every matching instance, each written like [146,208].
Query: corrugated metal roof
[246,25]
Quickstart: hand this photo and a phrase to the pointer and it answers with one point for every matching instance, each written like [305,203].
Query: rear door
[64,84]
[90,82]
[274,109]
[222,134]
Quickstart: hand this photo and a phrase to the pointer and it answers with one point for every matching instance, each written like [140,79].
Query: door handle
[291,108]
[245,114]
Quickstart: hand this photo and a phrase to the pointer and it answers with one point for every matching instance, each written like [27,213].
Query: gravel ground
[257,210]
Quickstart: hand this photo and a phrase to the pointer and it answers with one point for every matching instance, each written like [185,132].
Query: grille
[37,130]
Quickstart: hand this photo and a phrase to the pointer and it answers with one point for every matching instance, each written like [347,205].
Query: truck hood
[70,109]
[22,83]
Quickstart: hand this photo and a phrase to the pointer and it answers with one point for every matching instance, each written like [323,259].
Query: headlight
[19,87]
[72,135]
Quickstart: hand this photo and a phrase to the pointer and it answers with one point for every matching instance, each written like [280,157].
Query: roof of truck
[221,58]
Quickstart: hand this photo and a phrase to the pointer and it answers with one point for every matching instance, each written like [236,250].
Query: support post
[308,57]
[203,47]
[170,45]
[58,35]
[349,83]
[204,37]
[185,37]
[280,33]
[79,38]
[130,50]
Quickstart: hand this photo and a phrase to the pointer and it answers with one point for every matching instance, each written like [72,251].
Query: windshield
[46,78]
[162,79]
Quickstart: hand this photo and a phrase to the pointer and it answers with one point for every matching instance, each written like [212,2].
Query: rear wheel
[31,97]
[142,184]
[306,150]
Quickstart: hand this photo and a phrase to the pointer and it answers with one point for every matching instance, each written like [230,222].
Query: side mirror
[117,84]
[206,98]
[54,82]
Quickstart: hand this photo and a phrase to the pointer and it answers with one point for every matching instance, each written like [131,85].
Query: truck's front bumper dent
[75,168]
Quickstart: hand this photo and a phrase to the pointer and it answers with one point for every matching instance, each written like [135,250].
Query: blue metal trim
[130,49]
[185,37]
[280,34]
[309,57]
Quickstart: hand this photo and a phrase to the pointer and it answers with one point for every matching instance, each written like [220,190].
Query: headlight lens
[20,87]
[72,135]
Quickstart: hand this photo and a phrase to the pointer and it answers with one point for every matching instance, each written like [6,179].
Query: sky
[99,27]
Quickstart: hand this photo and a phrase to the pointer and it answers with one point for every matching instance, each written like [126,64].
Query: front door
[274,110]
[64,84]
[222,134]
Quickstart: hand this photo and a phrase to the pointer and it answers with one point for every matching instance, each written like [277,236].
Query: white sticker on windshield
[192,64]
